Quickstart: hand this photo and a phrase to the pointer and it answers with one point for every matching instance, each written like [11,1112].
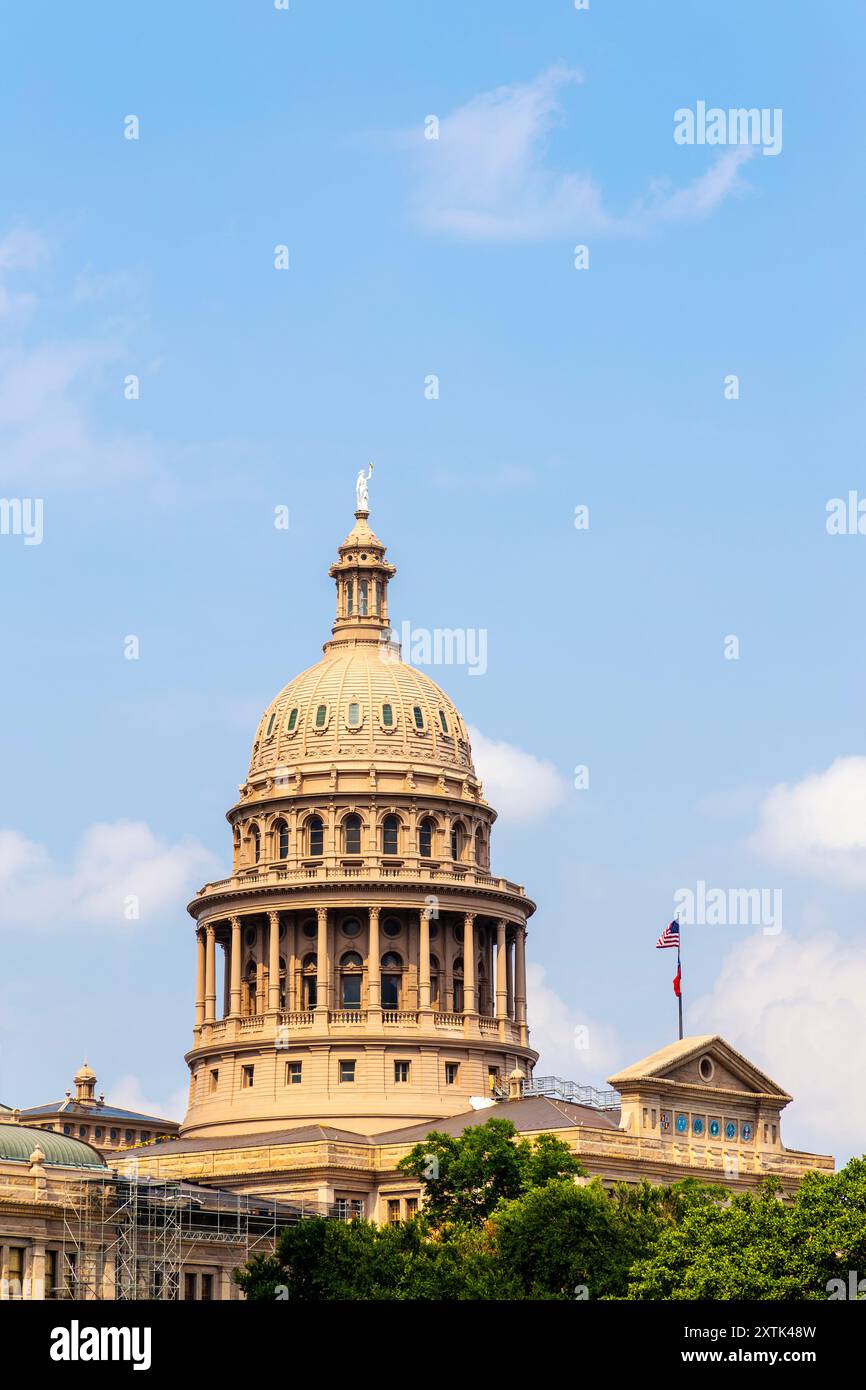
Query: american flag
[669,937]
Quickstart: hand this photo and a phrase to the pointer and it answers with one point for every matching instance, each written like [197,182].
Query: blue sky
[557,388]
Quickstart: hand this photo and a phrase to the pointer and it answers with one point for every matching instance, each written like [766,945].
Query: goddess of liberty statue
[362,496]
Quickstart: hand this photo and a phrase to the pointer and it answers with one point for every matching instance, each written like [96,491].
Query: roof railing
[559,1089]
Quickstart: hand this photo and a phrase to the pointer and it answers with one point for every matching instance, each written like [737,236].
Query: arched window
[426,831]
[351,969]
[270,728]
[316,836]
[391,835]
[392,976]
[480,848]
[388,716]
[418,716]
[458,840]
[350,597]
[293,719]
[443,721]
[309,968]
[321,716]
[281,839]
[252,987]
[434,981]
[352,834]
[457,983]
[378,594]
[255,843]
[354,714]
[364,588]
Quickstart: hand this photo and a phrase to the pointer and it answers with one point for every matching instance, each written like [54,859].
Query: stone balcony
[288,1027]
[417,873]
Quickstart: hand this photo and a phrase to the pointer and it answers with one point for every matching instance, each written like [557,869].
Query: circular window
[706,1068]
[309,929]
[351,927]
[391,927]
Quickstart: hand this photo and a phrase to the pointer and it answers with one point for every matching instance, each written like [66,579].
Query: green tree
[466,1177]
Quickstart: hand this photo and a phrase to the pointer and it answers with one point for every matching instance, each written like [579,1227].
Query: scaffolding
[129,1238]
[559,1089]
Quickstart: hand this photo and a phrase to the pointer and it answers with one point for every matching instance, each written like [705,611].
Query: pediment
[708,1063]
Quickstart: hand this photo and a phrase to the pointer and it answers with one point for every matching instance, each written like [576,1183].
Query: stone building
[82,1114]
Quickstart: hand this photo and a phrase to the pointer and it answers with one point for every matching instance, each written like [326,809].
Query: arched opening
[458,840]
[281,839]
[251,989]
[480,848]
[255,844]
[391,835]
[315,837]
[309,968]
[434,982]
[352,835]
[351,974]
[392,979]
[283,983]
[426,831]
[457,985]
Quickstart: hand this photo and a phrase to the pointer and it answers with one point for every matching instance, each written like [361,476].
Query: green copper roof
[17,1143]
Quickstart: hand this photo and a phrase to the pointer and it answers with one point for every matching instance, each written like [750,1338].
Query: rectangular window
[347,1072]
[401,1071]
[207,1288]
[190,1290]
[411,1207]
[452,1071]
[247,1075]
[341,1208]
[293,1073]
[350,991]
[393,1211]
[214,1080]
[15,1268]
[358,1207]
[51,1290]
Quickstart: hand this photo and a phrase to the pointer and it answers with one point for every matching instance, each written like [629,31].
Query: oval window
[418,717]
[443,721]
[354,715]
[270,729]
[321,716]
[293,719]
[388,716]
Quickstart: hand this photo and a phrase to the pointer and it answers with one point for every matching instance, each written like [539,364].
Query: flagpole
[680,977]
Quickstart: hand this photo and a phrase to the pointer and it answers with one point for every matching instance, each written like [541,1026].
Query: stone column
[323,974]
[501,978]
[199,978]
[37,1273]
[210,974]
[509,973]
[273,962]
[424,962]
[374,973]
[520,982]
[226,979]
[236,967]
[469,1003]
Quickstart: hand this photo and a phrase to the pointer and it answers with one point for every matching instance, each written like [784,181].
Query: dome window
[443,721]
[418,716]
[354,715]
[390,835]
[270,728]
[458,839]
[316,836]
[256,842]
[364,590]
[351,927]
[352,834]
[350,597]
[425,838]
[391,927]
[293,721]
[388,716]
[281,836]
[321,716]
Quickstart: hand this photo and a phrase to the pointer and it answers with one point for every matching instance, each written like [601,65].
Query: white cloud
[818,825]
[126,1093]
[486,176]
[517,784]
[113,863]
[571,1043]
[795,1008]
[20,249]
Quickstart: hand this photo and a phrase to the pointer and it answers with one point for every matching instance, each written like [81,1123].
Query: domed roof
[17,1143]
[361,703]
[84,1073]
